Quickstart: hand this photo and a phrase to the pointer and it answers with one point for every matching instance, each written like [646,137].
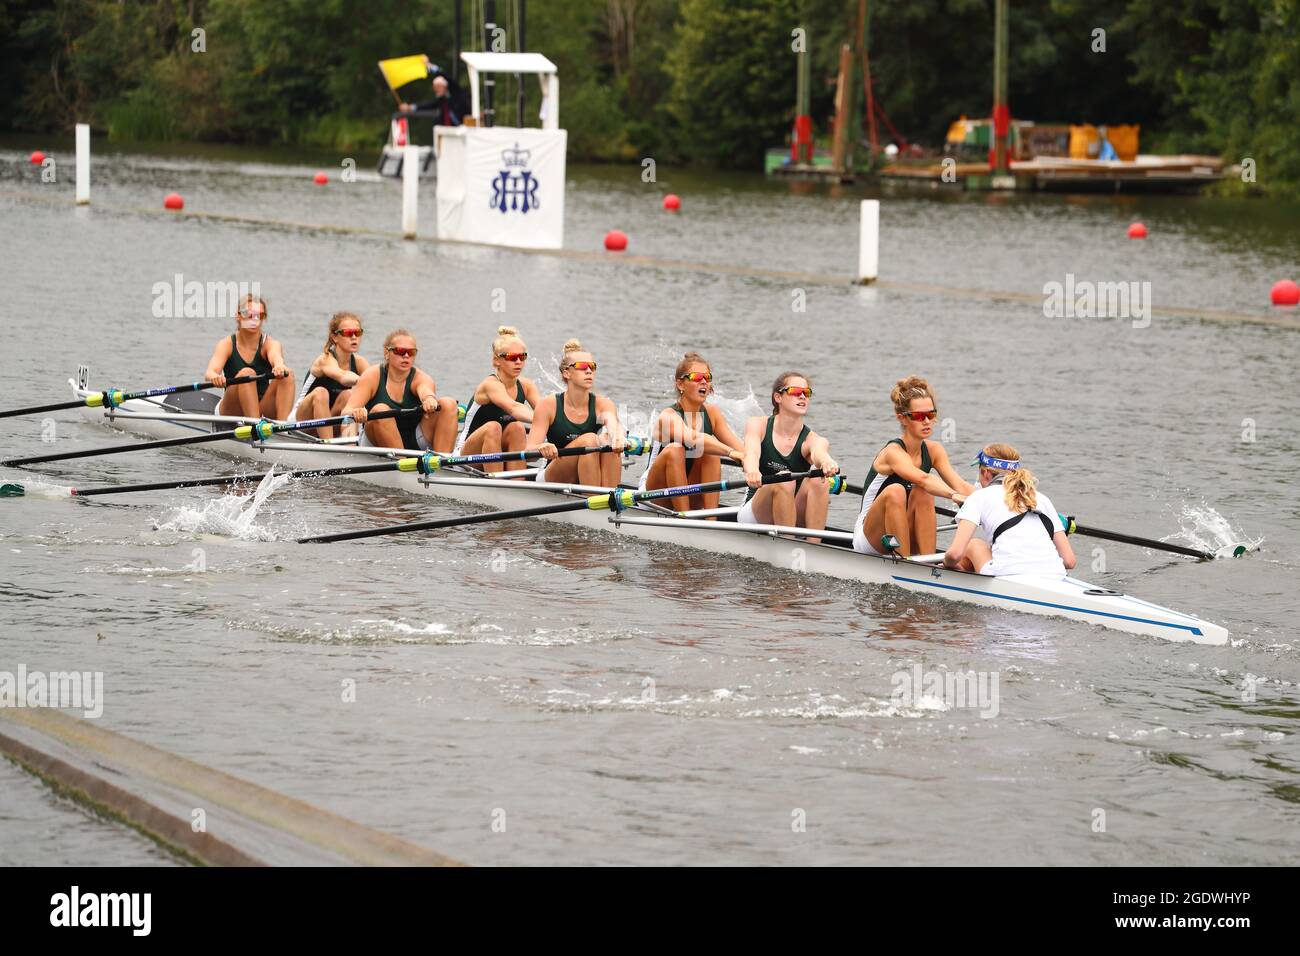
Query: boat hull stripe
[1062,607]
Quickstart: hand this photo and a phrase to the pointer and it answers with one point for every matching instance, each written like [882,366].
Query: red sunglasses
[930,415]
[403,352]
[350,333]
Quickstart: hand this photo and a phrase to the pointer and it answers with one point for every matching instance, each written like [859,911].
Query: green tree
[731,94]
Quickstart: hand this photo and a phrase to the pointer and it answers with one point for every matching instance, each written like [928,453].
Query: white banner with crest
[502,185]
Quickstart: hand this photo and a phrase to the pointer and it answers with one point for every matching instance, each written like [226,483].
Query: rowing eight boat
[777,546]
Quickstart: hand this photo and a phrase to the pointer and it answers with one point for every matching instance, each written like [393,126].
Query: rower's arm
[607,415]
[957,549]
[817,452]
[275,354]
[543,415]
[722,431]
[1064,550]
[217,364]
[329,366]
[533,396]
[900,464]
[943,465]
[753,448]
[363,391]
[498,396]
[423,387]
[669,427]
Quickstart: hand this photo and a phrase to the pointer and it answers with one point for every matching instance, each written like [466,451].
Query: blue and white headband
[1000,464]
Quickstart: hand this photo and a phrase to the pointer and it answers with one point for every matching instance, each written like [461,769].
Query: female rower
[905,477]
[1025,534]
[246,354]
[498,417]
[688,438]
[328,386]
[574,418]
[397,383]
[783,442]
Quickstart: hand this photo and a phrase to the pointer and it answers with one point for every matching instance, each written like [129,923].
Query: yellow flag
[404,69]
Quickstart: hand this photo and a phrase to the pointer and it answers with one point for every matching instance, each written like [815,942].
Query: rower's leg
[669,471]
[485,440]
[811,505]
[383,432]
[278,400]
[921,521]
[978,553]
[316,404]
[240,400]
[611,468]
[888,515]
[583,470]
[341,403]
[440,427]
[704,469]
[589,469]
[515,438]
[774,504]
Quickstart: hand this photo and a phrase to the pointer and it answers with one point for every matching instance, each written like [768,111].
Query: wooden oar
[113,397]
[616,500]
[259,431]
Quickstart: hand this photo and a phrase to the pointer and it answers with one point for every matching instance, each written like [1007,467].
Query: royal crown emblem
[515,157]
[514,191]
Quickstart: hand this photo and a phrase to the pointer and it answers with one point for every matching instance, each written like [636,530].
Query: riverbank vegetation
[686,81]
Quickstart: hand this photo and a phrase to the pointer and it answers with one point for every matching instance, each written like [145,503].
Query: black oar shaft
[614,500]
[201,439]
[1142,542]
[231,479]
[120,396]
[559,508]
[120,449]
[301,473]
[37,409]
[1121,538]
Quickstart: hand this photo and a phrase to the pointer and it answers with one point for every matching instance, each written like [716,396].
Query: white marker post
[869,242]
[410,189]
[83,164]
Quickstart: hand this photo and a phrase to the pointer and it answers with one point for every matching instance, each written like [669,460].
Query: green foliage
[731,66]
[709,81]
[141,115]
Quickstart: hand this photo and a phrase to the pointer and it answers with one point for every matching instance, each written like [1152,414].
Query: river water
[615,702]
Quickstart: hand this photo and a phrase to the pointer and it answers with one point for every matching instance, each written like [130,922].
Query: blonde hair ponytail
[396,334]
[505,334]
[906,389]
[1019,486]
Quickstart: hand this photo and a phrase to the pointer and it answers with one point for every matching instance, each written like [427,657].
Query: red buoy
[672,202]
[37,158]
[320,179]
[1137,231]
[615,241]
[1286,292]
[173,201]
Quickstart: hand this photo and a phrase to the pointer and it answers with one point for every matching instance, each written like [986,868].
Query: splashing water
[1206,529]
[739,410]
[34,488]
[231,515]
